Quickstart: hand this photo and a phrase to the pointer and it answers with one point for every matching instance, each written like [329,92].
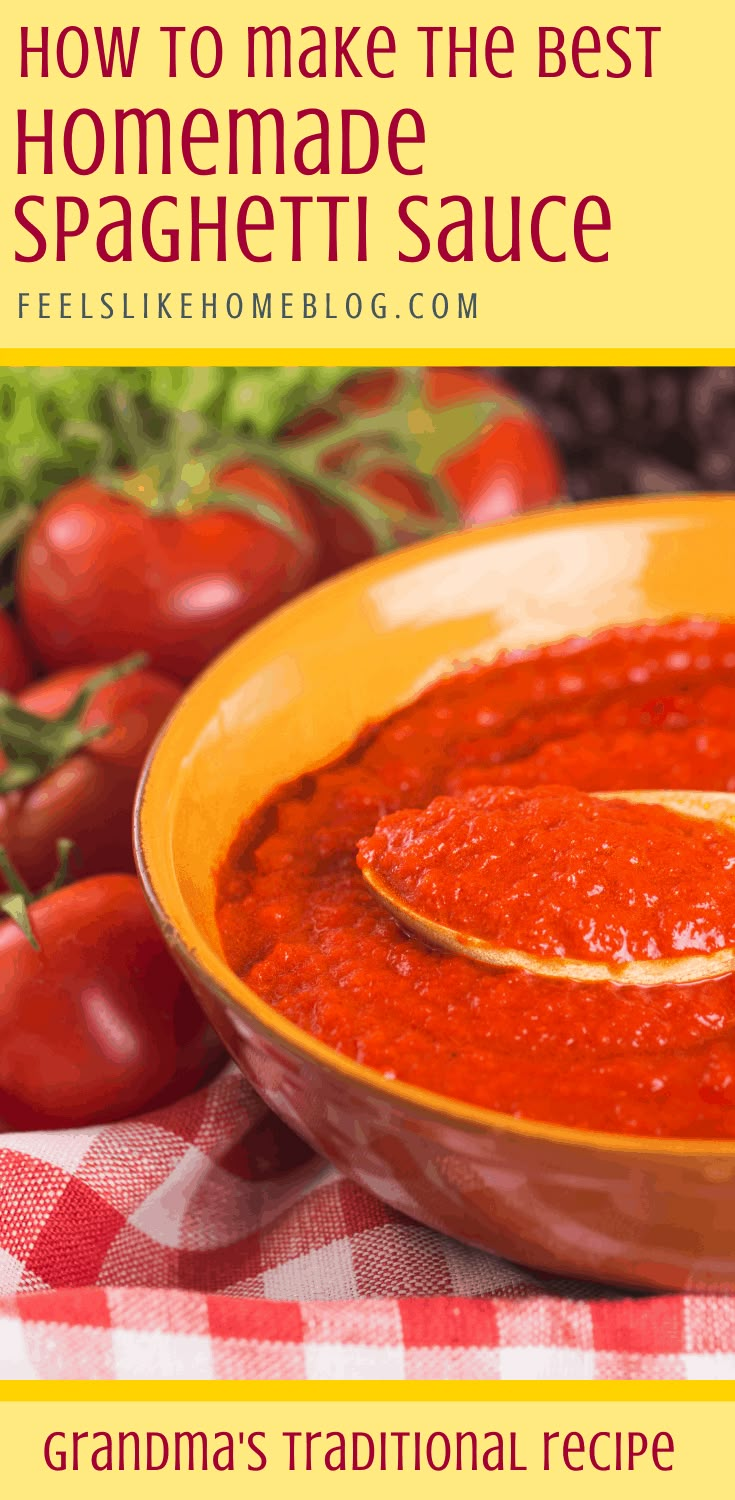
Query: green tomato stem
[383,519]
[15,905]
[16,908]
[34,745]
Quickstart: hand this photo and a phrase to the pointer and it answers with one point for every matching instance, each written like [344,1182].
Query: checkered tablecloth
[206,1241]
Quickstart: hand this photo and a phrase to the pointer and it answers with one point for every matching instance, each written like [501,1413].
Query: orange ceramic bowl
[292,694]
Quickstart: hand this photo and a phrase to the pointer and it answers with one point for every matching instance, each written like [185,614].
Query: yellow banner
[539,178]
[368,1445]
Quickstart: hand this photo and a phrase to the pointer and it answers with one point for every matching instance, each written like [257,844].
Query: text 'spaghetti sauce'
[642,706]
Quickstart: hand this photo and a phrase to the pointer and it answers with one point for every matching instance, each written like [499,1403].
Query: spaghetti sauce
[634,707]
[558,873]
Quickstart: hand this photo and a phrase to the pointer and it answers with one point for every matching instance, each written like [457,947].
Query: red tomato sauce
[557,873]
[641,706]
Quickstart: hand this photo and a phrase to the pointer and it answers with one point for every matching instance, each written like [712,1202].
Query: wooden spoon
[716,807]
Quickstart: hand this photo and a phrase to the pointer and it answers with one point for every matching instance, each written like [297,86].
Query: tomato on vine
[96,1021]
[195,544]
[465,451]
[15,667]
[105,570]
[71,749]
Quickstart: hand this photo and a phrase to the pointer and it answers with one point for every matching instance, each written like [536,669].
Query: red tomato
[88,798]
[101,575]
[14,666]
[510,465]
[98,1023]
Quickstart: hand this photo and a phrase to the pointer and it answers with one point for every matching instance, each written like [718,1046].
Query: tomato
[88,794]
[101,574]
[509,465]
[97,1023]
[15,669]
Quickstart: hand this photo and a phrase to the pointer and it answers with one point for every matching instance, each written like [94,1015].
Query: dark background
[633,431]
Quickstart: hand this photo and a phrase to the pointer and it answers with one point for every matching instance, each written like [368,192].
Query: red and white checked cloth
[206,1242]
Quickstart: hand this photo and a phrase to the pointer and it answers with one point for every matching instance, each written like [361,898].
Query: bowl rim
[215,975]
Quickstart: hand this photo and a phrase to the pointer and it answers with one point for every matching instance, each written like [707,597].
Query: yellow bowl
[292,694]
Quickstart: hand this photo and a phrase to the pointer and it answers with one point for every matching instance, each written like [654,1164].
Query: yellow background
[656,150]
[701,1432]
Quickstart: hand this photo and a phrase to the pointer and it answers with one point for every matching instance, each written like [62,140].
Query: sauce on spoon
[630,888]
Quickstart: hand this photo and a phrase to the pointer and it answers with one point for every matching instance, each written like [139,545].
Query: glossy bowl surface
[291,695]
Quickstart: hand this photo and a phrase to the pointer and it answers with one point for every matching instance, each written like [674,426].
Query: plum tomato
[510,464]
[102,573]
[74,745]
[96,1021]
